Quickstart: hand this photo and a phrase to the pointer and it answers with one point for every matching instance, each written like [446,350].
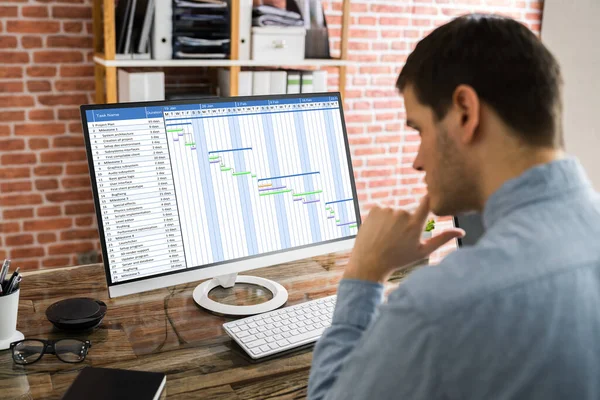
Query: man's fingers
[422,211]
[438,241]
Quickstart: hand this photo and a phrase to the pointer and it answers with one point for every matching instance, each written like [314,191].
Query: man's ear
[466,102]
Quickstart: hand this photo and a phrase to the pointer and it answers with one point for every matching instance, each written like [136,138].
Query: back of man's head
[503,61]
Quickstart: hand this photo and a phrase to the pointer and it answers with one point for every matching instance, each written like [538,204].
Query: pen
[10,281]
[4,270]
[13,284]
[18,284]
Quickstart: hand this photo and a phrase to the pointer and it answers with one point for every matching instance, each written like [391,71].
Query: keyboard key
[302,330]
[252,325]
[235,329]
[273,346]
[277,330]
[305,336]
[262,329]
[278,324]
[286,334]
[283,342]
[270,339]
[258,342]
[253,331]
[294,332]
[278,337]
[260,335]
[242,334]
[265,348]
[248,339]
[277,318]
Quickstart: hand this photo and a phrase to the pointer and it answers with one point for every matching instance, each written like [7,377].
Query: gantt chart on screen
[189,185]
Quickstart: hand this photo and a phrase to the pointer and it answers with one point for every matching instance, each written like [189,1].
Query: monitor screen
[181,186]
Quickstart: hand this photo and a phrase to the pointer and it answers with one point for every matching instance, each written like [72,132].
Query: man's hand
[390,239]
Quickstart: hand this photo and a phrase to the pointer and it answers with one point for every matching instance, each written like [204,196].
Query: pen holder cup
[9,308]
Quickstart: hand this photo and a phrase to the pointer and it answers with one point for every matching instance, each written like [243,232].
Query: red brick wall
[46,206]
[45,74]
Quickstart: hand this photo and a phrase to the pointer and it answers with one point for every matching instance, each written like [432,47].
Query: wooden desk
[165,331]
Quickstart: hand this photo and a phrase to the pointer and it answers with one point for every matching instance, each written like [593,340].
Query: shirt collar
[542,181]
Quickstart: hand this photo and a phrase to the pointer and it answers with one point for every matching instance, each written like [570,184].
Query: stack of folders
[201,29]
[264,15]
[133,24]
[262,82]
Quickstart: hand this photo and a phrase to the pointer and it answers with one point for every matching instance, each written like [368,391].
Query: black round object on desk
[77,314]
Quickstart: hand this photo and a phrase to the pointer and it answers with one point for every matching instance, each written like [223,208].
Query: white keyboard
[284,329]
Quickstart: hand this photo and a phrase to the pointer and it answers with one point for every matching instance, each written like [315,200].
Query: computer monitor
[187,190]
[472,224]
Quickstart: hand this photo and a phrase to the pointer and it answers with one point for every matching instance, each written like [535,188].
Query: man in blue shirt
[517,316]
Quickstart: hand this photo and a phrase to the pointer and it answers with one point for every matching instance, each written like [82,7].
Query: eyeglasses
[28,351]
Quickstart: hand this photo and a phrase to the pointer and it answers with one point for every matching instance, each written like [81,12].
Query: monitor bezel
[224,267]
[457,225]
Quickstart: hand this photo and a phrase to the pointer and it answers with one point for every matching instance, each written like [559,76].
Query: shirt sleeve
[374,350]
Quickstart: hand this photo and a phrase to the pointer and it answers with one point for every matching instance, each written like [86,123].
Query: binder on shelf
[245,29]
[261,82]
[127,48]
[306,84]
[141,86]
[293,82]
[223,82]
[144,39]
[162,48]
[304,8]
[245,79]
[278,82]
[320,81]
[244,83]
[122,11]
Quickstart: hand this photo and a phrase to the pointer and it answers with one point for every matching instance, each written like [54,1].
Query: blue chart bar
[230,150]
[338,201]
[288,176]
[179,124]
[347,223]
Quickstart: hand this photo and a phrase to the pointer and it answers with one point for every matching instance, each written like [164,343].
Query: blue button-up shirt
[517,316]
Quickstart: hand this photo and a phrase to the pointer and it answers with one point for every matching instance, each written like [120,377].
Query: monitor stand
[200,295]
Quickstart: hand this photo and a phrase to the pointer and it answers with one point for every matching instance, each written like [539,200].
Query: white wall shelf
[218,63]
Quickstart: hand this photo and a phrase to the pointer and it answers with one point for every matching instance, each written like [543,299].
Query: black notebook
[115,384]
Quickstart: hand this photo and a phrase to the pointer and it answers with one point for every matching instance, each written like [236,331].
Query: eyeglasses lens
[28,351]
[70,350]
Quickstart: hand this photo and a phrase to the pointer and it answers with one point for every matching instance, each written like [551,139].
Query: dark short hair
[503,61]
